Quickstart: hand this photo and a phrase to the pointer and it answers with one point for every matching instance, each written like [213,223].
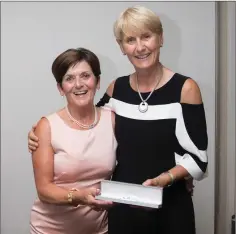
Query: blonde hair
[135,20]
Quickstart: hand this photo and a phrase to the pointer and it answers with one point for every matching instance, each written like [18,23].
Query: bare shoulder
[43,128]
[110,88]
[191,93]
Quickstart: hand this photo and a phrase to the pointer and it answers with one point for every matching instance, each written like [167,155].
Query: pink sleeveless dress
[83,158]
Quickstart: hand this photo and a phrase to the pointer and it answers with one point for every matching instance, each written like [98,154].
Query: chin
[144,66]
[83,103]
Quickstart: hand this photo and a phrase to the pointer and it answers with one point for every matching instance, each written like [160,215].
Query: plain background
[34,33]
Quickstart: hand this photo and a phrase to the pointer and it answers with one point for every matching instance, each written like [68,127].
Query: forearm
[167,178]
[178,172]
[54,194]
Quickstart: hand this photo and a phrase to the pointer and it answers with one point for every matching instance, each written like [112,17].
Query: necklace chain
[157,83]
[80,124]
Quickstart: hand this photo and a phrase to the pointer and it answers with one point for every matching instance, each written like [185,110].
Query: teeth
[80,92]
[143,56]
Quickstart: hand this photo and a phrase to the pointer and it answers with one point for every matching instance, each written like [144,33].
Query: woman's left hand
[162,181]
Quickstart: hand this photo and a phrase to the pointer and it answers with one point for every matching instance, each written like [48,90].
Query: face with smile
[142,49]
[79,85]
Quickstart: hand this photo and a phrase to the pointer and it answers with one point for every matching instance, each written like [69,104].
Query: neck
[82,114]
[147,78]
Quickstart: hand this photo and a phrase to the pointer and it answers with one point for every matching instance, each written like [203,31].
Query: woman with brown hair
[69,163]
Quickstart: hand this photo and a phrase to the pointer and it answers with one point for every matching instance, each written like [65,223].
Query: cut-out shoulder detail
[110,88]
[191,93]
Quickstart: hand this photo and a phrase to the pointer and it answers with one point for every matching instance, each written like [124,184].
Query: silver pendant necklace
[83,125]
[143,106]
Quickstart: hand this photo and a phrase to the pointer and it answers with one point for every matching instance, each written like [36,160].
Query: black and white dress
[170,133]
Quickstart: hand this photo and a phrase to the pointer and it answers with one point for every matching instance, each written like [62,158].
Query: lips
[79,93]
[142,56]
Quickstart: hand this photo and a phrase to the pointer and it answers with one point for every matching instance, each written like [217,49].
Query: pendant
[143,107]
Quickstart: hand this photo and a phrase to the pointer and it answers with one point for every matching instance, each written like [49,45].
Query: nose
[78,82]
[140,46]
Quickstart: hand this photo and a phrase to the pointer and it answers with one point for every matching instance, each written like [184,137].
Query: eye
[130,40]
[146,36]
[69,78]
[85,76]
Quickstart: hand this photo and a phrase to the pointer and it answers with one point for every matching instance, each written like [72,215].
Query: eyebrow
[69,74]
[138,34]
[85,72]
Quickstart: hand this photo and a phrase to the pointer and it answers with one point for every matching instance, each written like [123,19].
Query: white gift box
[132,194]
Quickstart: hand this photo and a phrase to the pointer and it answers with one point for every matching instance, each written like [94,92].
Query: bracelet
[172,178]
[70,195]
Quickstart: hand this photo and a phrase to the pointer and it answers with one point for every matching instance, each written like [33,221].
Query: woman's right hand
[32,139]
[87,197]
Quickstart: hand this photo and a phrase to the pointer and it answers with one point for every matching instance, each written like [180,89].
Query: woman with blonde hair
[160,129]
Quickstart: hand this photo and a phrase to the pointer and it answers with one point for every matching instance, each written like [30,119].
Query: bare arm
[43,164]
[43,161]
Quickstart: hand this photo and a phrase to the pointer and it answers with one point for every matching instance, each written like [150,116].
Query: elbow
[198,174]
[45,196]
[42,197]
[52,195]
[197,170]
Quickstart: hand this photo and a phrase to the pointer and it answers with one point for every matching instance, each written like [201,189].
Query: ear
[121,46]
[60,89]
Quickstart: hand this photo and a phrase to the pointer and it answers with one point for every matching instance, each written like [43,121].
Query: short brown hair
[70,58]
